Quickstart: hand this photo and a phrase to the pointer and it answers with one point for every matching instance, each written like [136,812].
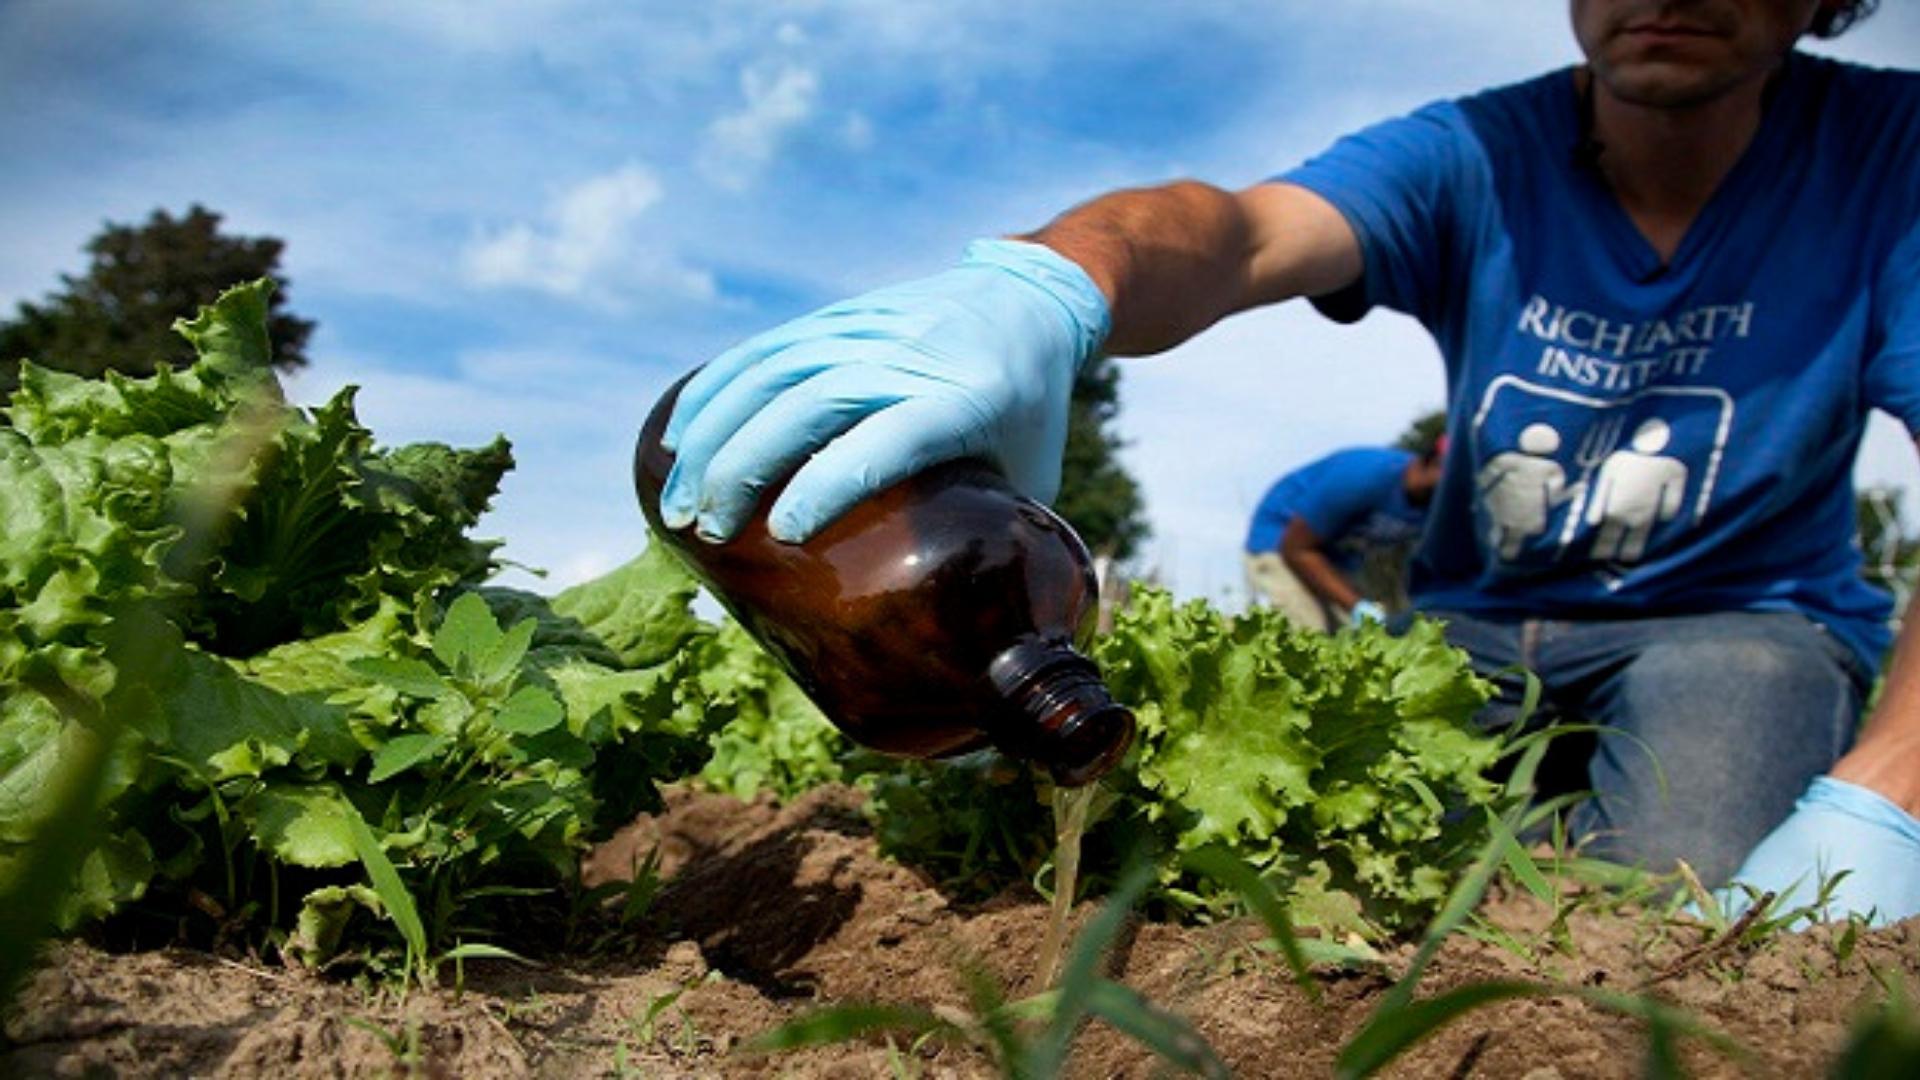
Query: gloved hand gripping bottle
[939,615]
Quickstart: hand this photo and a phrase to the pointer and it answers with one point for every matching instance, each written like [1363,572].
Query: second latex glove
[1366,611]
[1838,826]
[977,361]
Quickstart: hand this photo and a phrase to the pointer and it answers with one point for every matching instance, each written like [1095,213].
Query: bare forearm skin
[1305,554]
[1175,259]
[1171,260]
[1325,579]
[1887,758]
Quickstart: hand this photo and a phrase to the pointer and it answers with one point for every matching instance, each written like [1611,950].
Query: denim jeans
[1740,710]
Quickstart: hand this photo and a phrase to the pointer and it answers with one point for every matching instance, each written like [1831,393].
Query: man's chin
[1659,84]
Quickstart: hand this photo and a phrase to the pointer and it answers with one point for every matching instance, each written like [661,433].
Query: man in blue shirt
[1315,526]
[1668,286]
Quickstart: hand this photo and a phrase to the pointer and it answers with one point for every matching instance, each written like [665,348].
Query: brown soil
[768,911]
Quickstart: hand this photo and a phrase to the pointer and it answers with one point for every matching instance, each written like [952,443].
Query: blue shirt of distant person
[1315,526]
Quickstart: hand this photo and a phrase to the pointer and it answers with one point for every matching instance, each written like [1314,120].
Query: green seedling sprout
[1399,1021]
[1004,1029]
[404,1045]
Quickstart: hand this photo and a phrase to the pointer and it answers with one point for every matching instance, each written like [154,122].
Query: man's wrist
[1889,766]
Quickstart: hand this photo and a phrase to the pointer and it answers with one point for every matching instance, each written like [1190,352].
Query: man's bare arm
[1887,757]
[1304,552]
[1176,259]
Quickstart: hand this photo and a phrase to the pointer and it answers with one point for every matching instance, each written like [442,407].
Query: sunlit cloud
[740,145]
[589,248]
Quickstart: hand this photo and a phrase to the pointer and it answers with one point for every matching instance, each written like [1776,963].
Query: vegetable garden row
[257,696]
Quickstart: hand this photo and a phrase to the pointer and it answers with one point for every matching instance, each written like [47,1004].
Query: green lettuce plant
[1345,769]
[321,655]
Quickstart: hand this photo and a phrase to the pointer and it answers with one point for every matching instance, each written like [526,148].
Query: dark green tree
[1892,554]
[119,315]
[1423,432]
[1382,575]
[1097,495]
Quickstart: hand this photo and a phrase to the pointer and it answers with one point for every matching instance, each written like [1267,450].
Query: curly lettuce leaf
[1343,758]
[1222,721]
[779,741]
[642,611]
[1343,768]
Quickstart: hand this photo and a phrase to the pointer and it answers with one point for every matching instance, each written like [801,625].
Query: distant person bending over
[1317,524]
[1700,226]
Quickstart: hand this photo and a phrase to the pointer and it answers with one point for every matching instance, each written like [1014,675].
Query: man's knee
[1721,729]
[1743,682]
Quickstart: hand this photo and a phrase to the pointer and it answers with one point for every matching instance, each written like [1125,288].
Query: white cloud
[740,145]
[590,248]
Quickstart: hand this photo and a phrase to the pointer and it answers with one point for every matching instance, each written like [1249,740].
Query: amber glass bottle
[937,616]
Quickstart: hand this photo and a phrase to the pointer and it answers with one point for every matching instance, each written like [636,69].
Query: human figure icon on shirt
[1637,489]
[1520,488]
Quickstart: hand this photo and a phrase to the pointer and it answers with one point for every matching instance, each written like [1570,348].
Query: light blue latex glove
[977,361]
[1366,611]
[1838,826]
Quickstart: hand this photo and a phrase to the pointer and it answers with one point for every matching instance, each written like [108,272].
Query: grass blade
[482,951]
[1170,1036]
[1522,777]
[1518,862]
[1664,1022]
[1472,886]
[845,1023]
[1545,808]
[1078,976]
[1222,866]
[1390,1032]
[390,889]
[1460,904]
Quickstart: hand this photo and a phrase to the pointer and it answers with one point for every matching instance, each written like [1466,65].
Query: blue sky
[529,217]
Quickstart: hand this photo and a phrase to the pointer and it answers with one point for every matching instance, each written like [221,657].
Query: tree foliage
[1422,432]
[119,315]
[1382,576]
[1098,497]
[1891,553]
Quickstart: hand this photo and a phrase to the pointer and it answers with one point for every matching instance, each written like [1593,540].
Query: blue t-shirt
[1352,499]
[1630,438]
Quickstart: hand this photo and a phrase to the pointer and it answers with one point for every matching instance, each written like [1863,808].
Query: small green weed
[1399,1021]
[406,1045]
[1030,1038]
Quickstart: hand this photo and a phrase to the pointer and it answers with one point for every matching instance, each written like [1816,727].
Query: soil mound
[765,911]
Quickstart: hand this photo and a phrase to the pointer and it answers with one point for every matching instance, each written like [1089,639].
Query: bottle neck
[1059,711]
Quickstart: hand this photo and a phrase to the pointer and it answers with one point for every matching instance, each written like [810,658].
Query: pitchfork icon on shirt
[1595,444]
